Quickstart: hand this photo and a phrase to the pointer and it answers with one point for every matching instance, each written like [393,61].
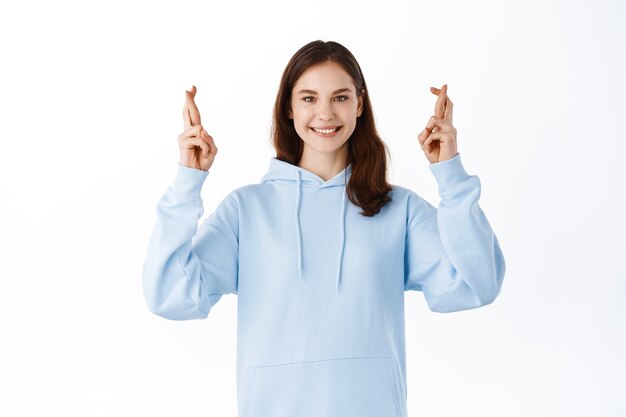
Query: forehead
[325,76]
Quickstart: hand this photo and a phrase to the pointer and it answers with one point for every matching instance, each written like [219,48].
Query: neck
[324,164]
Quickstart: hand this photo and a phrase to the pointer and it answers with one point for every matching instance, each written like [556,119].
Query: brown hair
[368,186]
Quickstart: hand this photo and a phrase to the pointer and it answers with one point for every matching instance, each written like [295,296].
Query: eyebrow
[341,90]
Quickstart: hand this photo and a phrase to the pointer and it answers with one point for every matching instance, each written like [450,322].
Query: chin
[326,147]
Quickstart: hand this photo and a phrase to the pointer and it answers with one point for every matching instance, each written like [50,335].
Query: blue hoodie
[320,287]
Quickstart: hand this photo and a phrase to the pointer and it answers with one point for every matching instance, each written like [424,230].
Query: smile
[326,132]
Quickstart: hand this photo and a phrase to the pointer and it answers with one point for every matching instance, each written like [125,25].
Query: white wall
[90,107]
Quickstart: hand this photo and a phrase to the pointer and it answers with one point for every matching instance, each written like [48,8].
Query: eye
[307,97]
[343,97]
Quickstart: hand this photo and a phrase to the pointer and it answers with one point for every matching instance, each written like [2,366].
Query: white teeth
[325,130]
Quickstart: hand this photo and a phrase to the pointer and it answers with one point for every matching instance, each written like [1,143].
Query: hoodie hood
[282,172]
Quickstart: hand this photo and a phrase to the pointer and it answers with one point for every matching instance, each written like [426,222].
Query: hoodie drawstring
[342,230]
[343,237]
[298,232]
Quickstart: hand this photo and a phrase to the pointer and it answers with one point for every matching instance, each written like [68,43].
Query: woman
[321,250]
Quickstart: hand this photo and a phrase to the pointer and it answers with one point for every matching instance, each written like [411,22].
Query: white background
[90,108]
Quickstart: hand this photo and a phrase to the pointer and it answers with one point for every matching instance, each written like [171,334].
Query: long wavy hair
[368,187]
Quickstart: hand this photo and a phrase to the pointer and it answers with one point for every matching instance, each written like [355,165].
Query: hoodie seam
[459,186]
[435,298]
[305,185]
[187,279]
[304,362]
[185,197]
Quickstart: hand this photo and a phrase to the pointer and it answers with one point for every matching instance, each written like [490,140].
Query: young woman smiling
[322,249]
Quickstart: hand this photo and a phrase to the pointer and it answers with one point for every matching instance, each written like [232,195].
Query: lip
[324,127]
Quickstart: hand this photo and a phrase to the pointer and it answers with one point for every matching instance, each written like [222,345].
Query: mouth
[326,132]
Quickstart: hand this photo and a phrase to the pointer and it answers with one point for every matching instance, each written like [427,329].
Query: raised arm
[452,255]
[187,269]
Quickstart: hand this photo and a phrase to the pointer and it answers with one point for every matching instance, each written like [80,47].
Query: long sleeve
[185,273]
[452,255]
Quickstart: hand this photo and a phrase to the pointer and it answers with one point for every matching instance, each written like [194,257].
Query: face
[324,108]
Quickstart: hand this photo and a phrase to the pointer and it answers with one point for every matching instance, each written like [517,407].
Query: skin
[197,149]
[438,139]
[319,107]
[325,157]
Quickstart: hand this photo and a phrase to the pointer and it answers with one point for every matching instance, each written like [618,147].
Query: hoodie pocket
[359,387]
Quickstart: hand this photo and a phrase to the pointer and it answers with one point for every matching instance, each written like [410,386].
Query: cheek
[302,117]
[346,112]
[301,111]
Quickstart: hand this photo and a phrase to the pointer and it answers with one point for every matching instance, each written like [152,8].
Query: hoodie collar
[283,172]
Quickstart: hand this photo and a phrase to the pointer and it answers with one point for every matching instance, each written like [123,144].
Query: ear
[359,108]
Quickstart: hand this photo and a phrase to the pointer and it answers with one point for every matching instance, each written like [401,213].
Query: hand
[438,139]
[197,149]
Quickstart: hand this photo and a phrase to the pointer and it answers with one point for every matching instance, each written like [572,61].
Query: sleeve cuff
[449,174]
[188,182]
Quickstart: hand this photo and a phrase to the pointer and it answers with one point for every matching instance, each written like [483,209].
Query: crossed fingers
[191,115]
[443,106]
[442,120]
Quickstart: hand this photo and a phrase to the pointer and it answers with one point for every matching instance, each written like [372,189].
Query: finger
[448,113]
[426,145]
[193,131]
[191,143]
[448,106]
[437,122]
[427,132]
[441,101]
[437,92]
[439,136]
[423,135]
[204,134]
[432,137]
[186,116]
[209,139]
[191,105]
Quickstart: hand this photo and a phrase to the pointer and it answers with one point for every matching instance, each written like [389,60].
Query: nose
[325,111]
